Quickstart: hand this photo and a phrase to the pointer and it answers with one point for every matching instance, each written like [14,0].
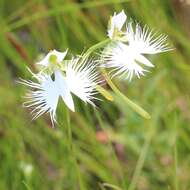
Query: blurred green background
[111,144]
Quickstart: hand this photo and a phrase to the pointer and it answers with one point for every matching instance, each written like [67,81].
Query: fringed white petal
[145,41]
[82,79]
[43,96]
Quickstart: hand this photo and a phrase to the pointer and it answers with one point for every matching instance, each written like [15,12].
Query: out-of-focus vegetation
[111,144]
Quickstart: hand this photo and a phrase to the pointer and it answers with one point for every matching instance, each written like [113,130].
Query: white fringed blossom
[128,58]
[77,78]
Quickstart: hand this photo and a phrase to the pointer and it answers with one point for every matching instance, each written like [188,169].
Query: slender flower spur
[60,78]
[127,50]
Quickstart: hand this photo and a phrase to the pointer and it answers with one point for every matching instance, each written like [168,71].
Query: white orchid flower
[77,78]
[128,59]
[116,23]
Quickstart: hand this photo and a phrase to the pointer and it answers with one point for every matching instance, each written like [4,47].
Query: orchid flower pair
[123,53]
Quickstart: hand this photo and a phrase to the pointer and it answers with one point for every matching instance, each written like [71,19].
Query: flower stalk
[106,94]
[130,103]
[95,47]
[72,150]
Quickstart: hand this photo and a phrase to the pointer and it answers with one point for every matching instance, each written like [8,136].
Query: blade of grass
[61,9]
[176,182]
[111,186]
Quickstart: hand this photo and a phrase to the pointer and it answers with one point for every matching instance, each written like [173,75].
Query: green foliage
[112,146]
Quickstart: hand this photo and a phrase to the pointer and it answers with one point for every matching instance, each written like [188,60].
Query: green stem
[69,129]
[95,47]
[176,166]
[72,151]
[176,181]
[134,106]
